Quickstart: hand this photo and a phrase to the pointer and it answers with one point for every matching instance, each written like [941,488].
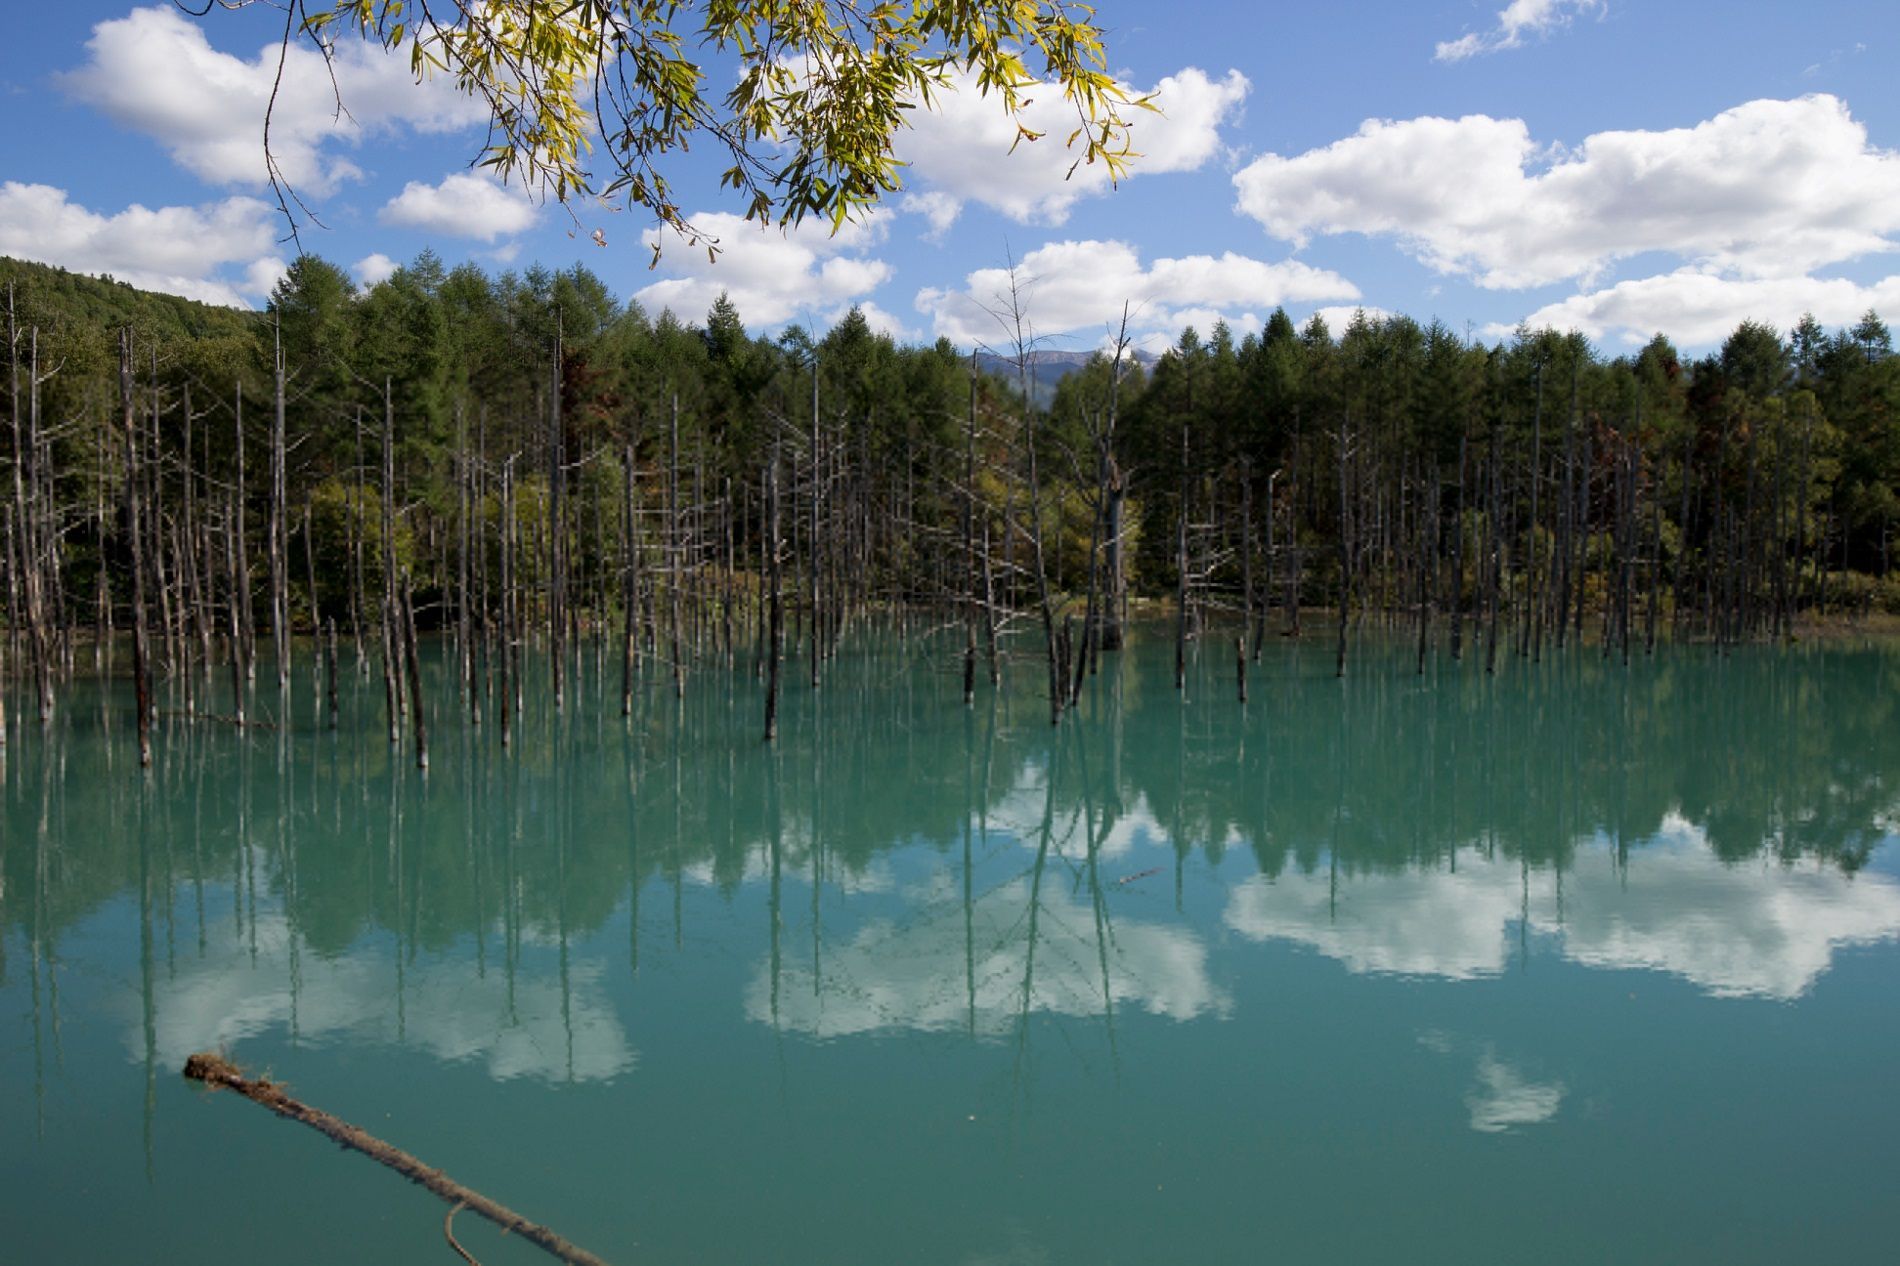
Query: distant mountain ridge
[1048,367]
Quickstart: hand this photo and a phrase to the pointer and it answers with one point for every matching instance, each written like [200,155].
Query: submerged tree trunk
[279,568]
[676,550]
[973,610]
[392,639]
[241,578]
[629,580]
[774,552]
[509,665]
[1493,556]
[1181,570]
[141,682]
[412,658]
[25,562]
[814,500]
[557,527]
[330,665]
[1345,553]
[1458,556]
[1115,612]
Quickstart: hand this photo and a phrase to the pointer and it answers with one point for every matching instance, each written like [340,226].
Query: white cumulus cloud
[464,204]
[1768,188]
[262,275]
[1699,309]
[880,321]
[772,276]
[1340,315]
[938,208]
[1515,22]
[959,148]
[1081,286]
[373,269]
[155,72]
[179,250]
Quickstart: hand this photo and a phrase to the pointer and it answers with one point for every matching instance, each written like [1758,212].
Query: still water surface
[1577,964]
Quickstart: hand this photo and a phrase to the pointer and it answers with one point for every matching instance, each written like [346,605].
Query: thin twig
[448,1231]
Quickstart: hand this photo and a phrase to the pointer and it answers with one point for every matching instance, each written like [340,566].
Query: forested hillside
[546,462]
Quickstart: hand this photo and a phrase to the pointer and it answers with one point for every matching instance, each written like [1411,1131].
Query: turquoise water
[1576,964]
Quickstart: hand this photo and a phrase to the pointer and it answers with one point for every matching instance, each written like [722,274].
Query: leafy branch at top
[809,126]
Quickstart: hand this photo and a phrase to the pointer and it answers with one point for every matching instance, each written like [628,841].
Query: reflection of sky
[443,1007]
[874,876]
[1502,1097]
[912,974]
[1020,810]
[1752,929]
[1756,928]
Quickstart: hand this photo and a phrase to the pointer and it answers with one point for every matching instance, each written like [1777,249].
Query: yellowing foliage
[822,89]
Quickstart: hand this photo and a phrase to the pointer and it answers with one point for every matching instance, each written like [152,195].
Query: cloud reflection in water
[442,1007]
[916,974]
[1754,929]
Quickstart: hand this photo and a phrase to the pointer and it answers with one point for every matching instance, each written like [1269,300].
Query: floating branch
[216,1071]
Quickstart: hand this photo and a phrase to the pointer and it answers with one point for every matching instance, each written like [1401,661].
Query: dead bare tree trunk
[1181,569]
[774,553]
[316,607]
[971,607]
[1345,552]
[1567,518]
[413,659]
[629,579]
[1458,555]
[676,558]
[392,640]
[1115,612]
[815,499]
[141,682]
[330,663]
[279,570]
[1295,557]
[1532,624]
[355,525]
[1246,546]
[247,626]
[13,414]
[26,534]
[1494,562]
[1427,555]
[234,606]
[152,463]
[509,670]
[464,614]
[557,531]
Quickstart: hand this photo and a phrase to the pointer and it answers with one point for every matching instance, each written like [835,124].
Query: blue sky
[1615,166]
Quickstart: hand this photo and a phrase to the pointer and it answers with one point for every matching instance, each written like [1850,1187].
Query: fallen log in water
[216,1071]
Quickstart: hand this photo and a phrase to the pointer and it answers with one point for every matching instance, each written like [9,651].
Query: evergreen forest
[532,465]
